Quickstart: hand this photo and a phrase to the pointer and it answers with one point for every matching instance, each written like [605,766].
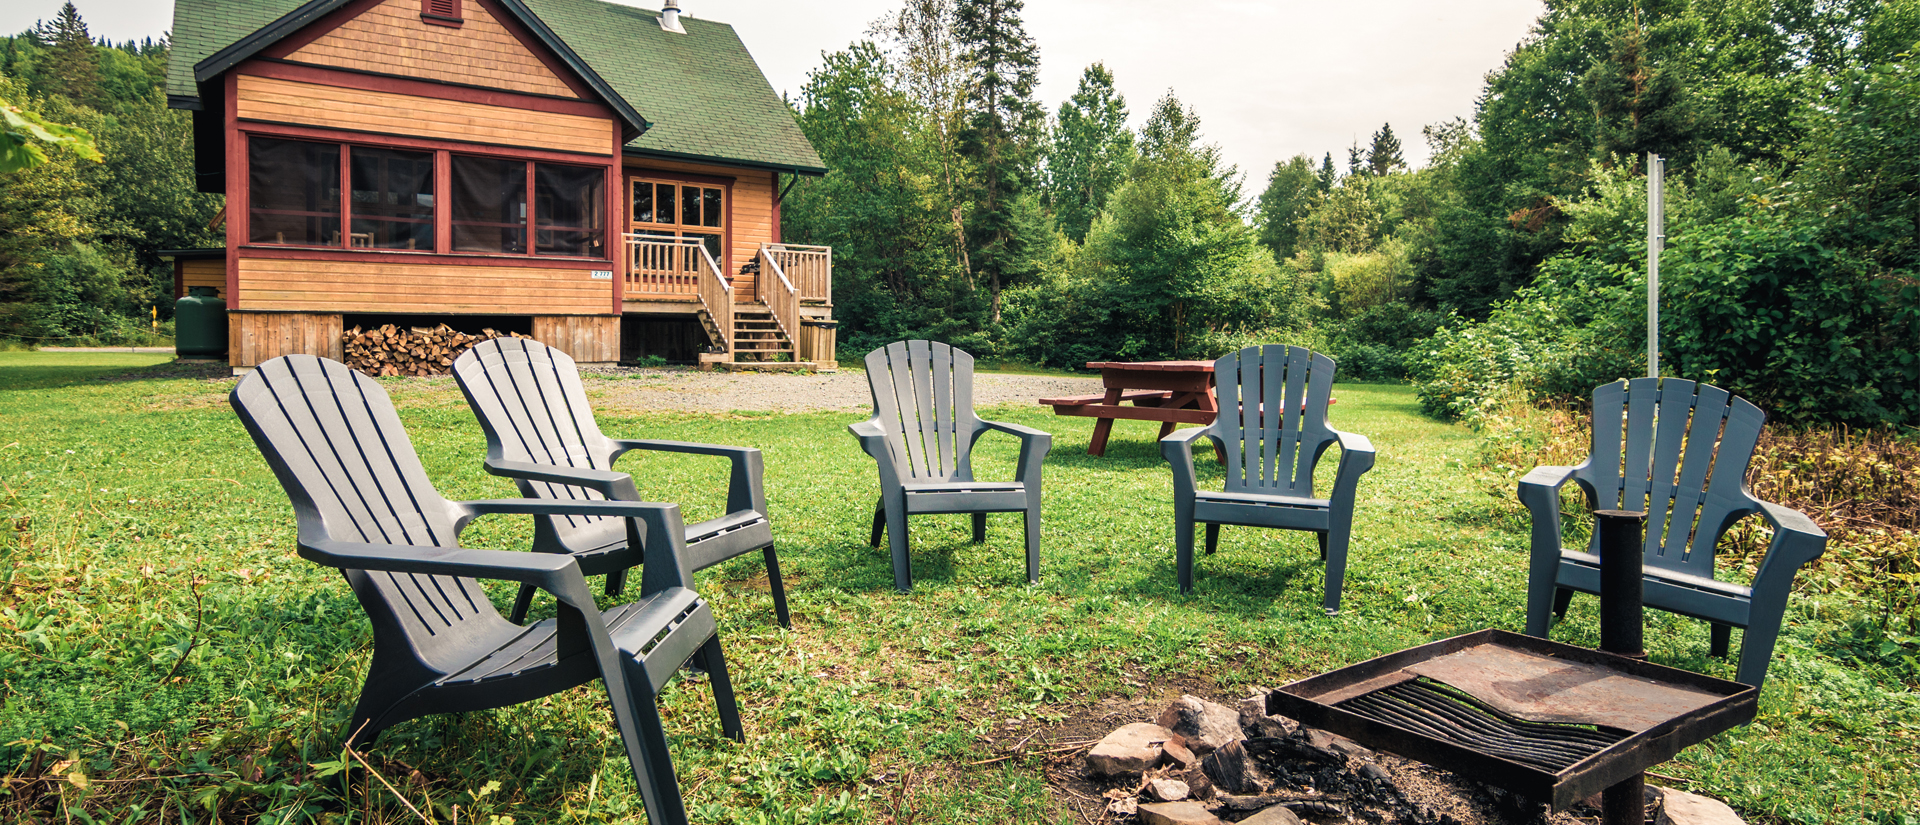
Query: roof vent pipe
[670,17]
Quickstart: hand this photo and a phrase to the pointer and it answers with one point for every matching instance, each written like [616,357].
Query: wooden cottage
[604,178]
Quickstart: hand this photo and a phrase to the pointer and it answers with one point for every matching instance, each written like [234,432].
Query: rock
[1177,813]
[1254,723]
[1202,724]
[1276,815]
[1178,754]
[1233,771]
[1124,807]
[1682,808]
[1376,773]
[1198,785]
[1168,790]
[1131,749]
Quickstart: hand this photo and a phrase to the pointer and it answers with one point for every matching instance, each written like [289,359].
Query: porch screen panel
[392,199]
[567,207]
[489,205]
[293,192]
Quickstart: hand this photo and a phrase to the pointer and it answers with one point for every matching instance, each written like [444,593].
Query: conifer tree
[1639,106]
[1003,128]
[1328,176]
[1356,160]
[1291,191]
[71,67]
[1092,150]
[1383,156]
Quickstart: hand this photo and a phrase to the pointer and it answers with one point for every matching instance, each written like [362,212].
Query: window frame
[675,228]
[442,196]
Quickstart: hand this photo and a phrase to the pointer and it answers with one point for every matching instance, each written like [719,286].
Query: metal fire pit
[1550,721]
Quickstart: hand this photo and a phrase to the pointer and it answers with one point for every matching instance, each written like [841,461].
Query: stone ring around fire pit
[1204,763]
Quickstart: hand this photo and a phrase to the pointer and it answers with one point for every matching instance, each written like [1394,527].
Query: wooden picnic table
[1170,392]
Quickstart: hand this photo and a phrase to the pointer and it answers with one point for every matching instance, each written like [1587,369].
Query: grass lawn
[164,655]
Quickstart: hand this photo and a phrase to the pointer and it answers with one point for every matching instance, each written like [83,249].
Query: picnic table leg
[1098,447]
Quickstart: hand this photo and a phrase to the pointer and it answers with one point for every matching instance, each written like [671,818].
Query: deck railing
[777,292]
[667,265]
[716,295]
[809,267]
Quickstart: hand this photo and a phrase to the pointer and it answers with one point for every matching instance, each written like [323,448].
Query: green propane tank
[200,324]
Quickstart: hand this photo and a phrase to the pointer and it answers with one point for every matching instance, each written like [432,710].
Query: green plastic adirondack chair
[1273,426]
[1679,451]
[364,506]
[921,435]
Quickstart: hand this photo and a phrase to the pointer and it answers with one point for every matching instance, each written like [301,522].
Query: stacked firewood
[412,351]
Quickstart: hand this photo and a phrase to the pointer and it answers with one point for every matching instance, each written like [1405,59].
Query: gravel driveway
[660,390]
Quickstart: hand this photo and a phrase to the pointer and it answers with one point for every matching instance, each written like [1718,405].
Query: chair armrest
[873,442]
[1356,458]
[533,568]
[1796,539]
[1540,493]
[665,561]
[745,490]
[1177,448]
[613,485]
[1034,446]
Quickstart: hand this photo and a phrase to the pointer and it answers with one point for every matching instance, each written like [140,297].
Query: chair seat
[532,651]
[1265,500]
[1671,590]
[965,497]
[708,542]
[1263,510]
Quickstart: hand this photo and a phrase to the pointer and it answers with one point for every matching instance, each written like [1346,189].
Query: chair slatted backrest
[533,407]
[923,398]
[333,440]
[1678,450]
[1273,417]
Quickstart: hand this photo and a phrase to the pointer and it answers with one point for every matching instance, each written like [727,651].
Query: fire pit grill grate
[1437,710]
[1543,719]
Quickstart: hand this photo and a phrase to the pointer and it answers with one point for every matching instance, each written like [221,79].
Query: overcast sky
[1269,78]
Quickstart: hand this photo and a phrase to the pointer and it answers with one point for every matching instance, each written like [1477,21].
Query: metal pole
[1622,535]
[1656,240]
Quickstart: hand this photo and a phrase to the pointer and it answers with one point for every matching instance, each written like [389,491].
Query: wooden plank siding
[206,272]
[392,39]
[400,287]
[332,107]
[588,338]
[253,337]
[750,214]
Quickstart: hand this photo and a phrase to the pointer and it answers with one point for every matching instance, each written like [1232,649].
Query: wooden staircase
[758,343]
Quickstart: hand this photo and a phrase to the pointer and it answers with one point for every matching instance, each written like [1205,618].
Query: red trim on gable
[367,81]
[292,130]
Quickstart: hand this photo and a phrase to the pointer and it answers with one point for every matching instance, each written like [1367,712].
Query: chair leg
[1562,598]
[979,527]
[1322,538]
[1722,638]
[715,663]
[879,522]
[659,788]
[1213,538]
[616,582]
[779,587]
[1183,550]
[897,544]
[1333,548]
[1033,542]
[518,615]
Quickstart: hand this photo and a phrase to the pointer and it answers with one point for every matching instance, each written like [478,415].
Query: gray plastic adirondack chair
[363,505]
[541,434]
[922,434]
[1684,462]
[1273,426]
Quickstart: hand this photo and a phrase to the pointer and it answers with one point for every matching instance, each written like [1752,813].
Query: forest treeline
[78,236]
[1513,261]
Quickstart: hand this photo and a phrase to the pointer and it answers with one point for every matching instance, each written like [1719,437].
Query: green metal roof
[701,92]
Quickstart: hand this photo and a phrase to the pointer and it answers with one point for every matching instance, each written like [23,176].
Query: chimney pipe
[670,17]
